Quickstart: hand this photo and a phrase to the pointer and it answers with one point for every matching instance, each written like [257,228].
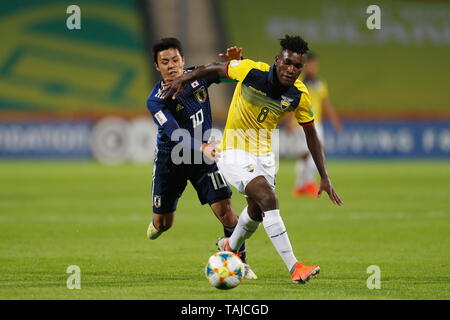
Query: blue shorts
[170,180]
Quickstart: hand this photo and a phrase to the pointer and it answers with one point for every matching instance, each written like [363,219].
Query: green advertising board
[399,69]
[47,68]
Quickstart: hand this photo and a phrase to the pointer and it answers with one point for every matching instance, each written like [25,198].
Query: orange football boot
[303,273]
[308,189]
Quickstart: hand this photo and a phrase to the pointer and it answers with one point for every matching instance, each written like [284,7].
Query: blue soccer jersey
[191,110]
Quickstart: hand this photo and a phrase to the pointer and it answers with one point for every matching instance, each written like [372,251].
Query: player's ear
[156,66]
[304,58]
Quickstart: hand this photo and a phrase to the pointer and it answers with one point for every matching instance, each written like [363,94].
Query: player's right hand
[325,185]
[173,88]
[211,150]
[233,53]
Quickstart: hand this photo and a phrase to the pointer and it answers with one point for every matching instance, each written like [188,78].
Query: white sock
[244,229]
[299,168]
[275,229]
[310,170]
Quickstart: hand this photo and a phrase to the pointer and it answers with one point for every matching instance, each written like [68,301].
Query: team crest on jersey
[285,102]
[201,95]
[157,201]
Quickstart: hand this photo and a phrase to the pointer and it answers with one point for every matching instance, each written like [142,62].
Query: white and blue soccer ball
[224,270]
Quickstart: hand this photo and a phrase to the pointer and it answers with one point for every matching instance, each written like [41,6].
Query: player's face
[289,66]
[311,68]
[170,64]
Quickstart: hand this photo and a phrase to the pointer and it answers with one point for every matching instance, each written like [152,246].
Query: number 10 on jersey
[197,118]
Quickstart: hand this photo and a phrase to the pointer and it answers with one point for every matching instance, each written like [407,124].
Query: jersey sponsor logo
[160,117]
[195,84]
[201,95]
[157,201]
[179,107]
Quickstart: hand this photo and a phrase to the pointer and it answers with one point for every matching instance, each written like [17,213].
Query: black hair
[164,44]
[294,44]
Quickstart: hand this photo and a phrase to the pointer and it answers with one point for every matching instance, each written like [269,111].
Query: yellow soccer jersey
[318,91]
[257,106]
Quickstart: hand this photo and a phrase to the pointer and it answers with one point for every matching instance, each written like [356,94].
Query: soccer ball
[224,270]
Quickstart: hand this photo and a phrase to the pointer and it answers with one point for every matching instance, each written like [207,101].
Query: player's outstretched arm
[316,150]
[175,87]
[233,53]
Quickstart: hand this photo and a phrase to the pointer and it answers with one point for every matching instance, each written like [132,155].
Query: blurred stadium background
[80,95]
[390,85]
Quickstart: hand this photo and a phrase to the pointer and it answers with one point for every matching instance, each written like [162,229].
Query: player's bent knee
[268,201]
[260,191]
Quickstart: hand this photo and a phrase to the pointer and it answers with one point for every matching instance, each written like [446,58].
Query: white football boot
[152,232]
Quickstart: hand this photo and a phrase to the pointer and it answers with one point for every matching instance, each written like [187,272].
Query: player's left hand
[325,185]
[211,150]
[233,53]
[173,88]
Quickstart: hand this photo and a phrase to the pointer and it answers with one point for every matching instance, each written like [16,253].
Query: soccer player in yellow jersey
[263,94]
[318,92]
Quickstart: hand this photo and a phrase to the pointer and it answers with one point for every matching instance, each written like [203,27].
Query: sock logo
[277,235]
[157,201]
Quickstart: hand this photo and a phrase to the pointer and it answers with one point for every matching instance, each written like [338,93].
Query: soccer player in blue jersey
[183,125]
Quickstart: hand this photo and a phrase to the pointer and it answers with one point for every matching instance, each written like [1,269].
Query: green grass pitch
[52,215]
